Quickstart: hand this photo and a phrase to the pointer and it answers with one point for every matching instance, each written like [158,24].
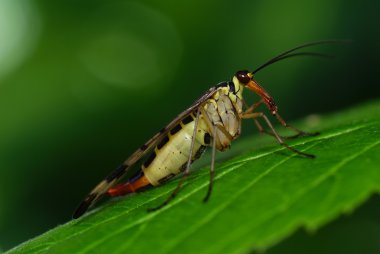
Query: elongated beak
[255,87]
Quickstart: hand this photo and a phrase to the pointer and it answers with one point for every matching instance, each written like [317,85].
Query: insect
[214,120]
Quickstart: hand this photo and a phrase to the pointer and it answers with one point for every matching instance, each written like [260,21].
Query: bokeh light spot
[136,50]
[19,30]
[122,60]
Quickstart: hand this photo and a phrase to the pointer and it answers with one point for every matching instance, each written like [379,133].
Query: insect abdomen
[135,183]
[173,151]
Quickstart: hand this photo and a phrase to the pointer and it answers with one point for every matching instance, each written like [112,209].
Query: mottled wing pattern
[117,174]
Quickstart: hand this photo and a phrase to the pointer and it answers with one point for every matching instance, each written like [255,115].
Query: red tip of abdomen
[128,187]
[120,190]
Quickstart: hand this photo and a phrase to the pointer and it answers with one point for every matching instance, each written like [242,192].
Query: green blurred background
[84,83]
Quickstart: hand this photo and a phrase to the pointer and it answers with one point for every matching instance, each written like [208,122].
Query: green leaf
[260,196]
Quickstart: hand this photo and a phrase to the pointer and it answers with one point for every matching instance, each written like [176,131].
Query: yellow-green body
[221,111]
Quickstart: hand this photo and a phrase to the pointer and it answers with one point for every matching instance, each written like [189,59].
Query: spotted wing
[117,174]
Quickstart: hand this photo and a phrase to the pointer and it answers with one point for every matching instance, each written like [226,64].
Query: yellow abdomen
[171,154]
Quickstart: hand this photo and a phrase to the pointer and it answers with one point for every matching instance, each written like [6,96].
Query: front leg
[251,109]
[262,130]
[299,132]
[279,139]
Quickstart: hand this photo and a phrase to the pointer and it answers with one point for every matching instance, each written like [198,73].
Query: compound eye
[243,77]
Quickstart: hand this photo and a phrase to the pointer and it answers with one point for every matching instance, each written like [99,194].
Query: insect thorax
[223,111]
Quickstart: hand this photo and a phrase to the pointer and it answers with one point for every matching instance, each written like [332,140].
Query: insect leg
[253,107]
[214,128]
[259,126]
[262,130]
[212,167]
[187,170]
[225,132]
[262,115]
[299,132]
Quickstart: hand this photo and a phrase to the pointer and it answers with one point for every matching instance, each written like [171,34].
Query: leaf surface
[260,196]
